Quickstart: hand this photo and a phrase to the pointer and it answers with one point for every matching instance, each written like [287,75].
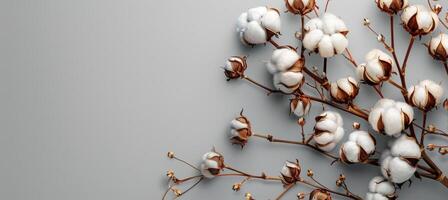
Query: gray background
[93,93]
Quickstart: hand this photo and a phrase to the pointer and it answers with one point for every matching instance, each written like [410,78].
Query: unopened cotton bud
[286,67]
[248,196]
[301,195]
[240,130]
[300,106]
[320,194]
[419,20]
[301,7]
[170,154]
[328,130]
[366,22]
[438,47]
[431,147]
[236,186]
[400,163]
[425,95]
[309,173]
[235,67]
[359,147]
[356,125]
[390,117]
[344,90]
[258,25]
[378,67]
[443,150]
[391,6]
[380,189]
[326,35]
[290,172]
[212,164]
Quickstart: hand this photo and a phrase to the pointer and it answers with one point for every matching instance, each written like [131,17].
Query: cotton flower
[425,95]
[290,172]
[400,163]
[235,67]
[240,130]
[212,164]
[258,25]
[438,47]
[419,20]
[326,35]
[328,130]
[359,147]
[391,6]
[390,117]
[286,66]
[300,106]
[378,67]
[344,89]
[301,7]
[320,194]
[380,189]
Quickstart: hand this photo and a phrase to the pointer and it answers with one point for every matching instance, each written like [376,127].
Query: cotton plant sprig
[326,35]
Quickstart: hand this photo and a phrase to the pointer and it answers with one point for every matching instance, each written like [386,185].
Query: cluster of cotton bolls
[258,25]
[286,66]
[328,130]
[391,117]
[326,35]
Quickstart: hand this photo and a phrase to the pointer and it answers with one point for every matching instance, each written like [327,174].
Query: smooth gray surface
[93,93]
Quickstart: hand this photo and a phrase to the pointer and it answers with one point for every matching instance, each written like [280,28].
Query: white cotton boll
[390,117]
[358,148]
[271,21]
[425,95]
[328,130]
[326,48]
[255,33]
[339,42]
[312,39]
[426,20]
[212,164]
[313,24]
[255,14]
[326,35]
